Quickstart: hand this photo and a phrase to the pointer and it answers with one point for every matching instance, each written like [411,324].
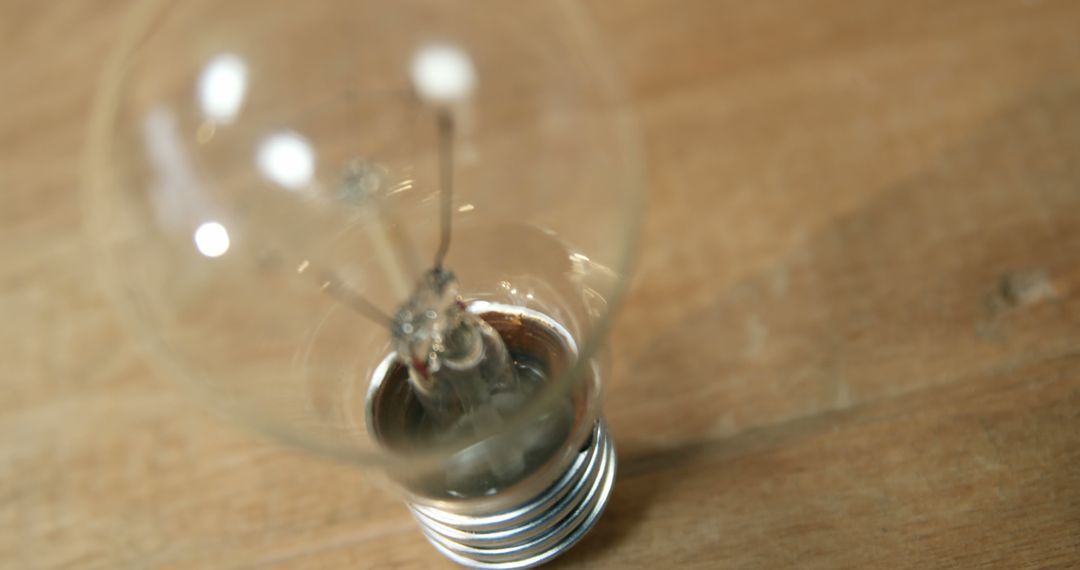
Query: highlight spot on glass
[212,239]
[222,86]
[443,73]
[287,159]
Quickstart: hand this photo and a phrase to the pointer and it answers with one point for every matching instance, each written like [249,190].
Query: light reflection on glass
[222,85]
[177,194]
[401,187]
[287,159]
[443,73]
[211,239]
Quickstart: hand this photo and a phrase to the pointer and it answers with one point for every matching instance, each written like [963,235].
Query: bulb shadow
[900,295]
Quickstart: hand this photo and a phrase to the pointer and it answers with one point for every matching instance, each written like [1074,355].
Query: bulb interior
[540,349]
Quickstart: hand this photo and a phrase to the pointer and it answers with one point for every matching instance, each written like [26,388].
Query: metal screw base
[537,531]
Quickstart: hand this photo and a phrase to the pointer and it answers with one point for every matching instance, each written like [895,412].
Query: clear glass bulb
[388,232]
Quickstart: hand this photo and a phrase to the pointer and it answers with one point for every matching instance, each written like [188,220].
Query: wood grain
[852,341]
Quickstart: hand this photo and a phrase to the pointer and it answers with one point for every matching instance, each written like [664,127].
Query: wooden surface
[852,342]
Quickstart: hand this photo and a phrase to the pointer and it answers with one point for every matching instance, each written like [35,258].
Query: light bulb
[392,233]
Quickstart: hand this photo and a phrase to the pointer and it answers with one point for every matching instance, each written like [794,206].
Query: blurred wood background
[852,342]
